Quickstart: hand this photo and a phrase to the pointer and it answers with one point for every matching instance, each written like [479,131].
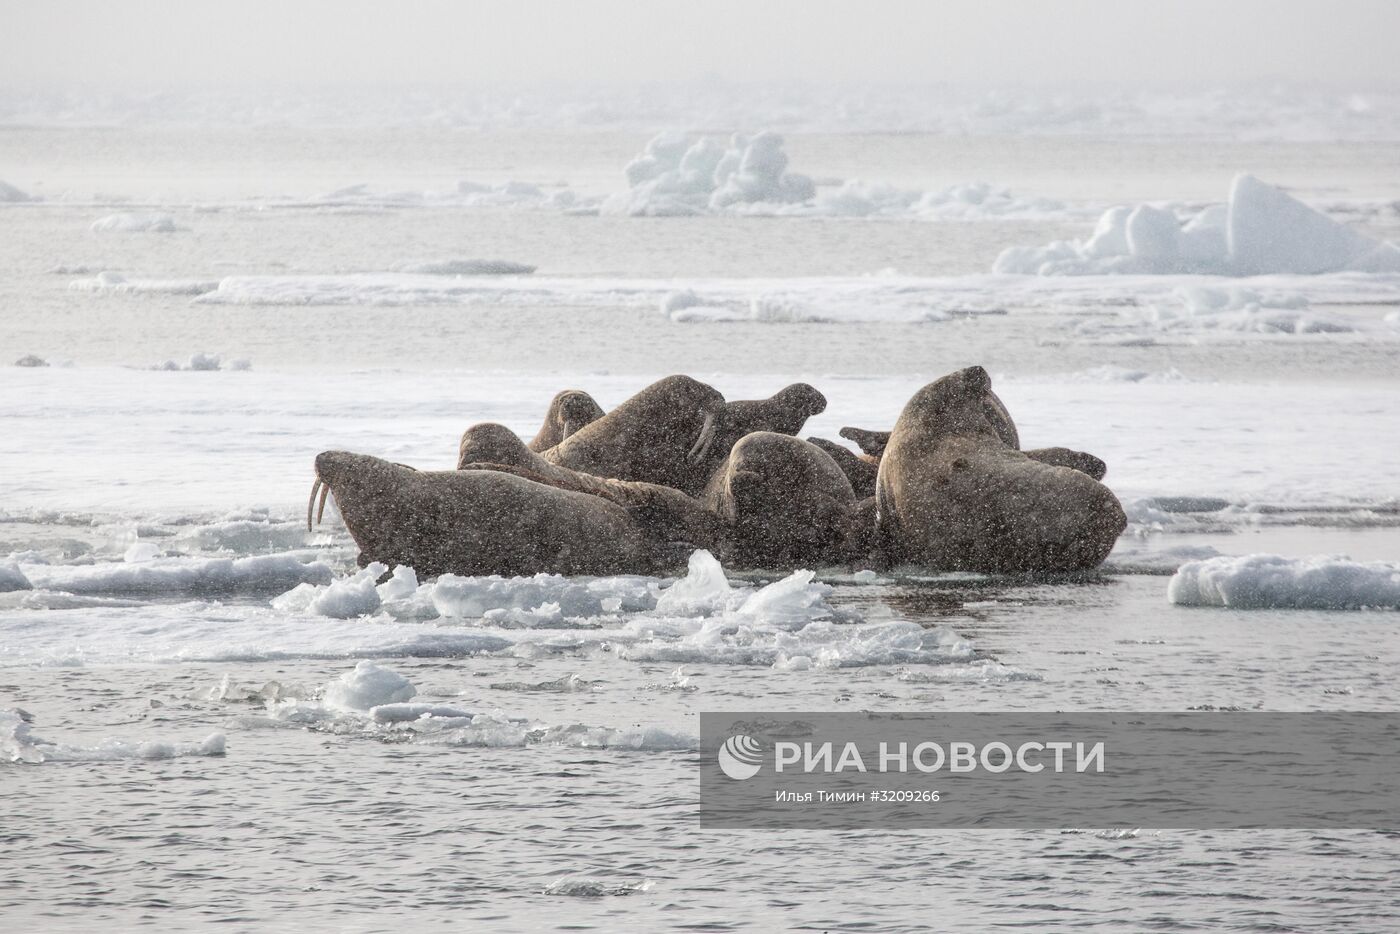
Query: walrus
[788,502]
[475,522]
[784,412]
[872,443]
[569,411]
[951,494]
[666,513]
[663,434]
[859,470]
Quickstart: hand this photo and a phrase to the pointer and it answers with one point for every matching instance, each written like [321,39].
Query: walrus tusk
[321,507]
[311,503]
[702,443]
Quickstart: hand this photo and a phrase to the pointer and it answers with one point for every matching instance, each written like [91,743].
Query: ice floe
[679,176]
[116,283]
[368,685]
[849,299]
[135,223]
[1260,230]
[464,267]
[203,362]
[18,744]
[375,701]
[9,194]
[1262,581]
[12,578]
[702,617]
[180,575]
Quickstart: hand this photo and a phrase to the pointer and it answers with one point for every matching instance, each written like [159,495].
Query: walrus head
[357,480]
[569,410]
[489,442]
[802,399]
[957,404]
[574,408]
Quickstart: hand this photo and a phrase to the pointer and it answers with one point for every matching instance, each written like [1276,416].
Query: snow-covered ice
[1259,230]
[135,223]
[1263,581]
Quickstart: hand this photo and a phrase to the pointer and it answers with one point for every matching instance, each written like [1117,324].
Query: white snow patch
[1262,581]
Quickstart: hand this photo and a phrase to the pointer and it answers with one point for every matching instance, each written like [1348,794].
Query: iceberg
[1260,230]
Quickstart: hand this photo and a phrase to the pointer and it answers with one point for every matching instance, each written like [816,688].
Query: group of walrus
[676,467]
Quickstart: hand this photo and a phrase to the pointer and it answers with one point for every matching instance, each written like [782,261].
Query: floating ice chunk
[12,578]
[368,686]
[464,267]
[1271,231]
[1262,581]
[9,194]
[258,573]
[1259,230]
[135,223]
[345,598]
[19,744]
[761,175]
[475,597]
[402,585]
[589,887]
[703,591]
[140,552]
[792,602]
[679,300]
[405,712]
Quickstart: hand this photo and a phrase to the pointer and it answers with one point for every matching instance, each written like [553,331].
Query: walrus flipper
[1081,461]
[871,442]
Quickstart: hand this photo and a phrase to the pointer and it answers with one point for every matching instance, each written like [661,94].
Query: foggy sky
[264,42]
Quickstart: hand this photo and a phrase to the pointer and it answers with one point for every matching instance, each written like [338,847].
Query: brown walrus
[784,412]
[953,495]
[569,411]
[872,444]
[663,434]
[476,522]
[859,470]
[667,513]
[787,501]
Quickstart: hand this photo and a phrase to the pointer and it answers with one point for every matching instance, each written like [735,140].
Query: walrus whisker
[321,507]
[311,503]
[702,443]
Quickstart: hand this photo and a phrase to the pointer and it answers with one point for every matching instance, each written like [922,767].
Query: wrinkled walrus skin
[788,502]
[952,495]
[665,513]
[477,522]
[663,435]
[569,411]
